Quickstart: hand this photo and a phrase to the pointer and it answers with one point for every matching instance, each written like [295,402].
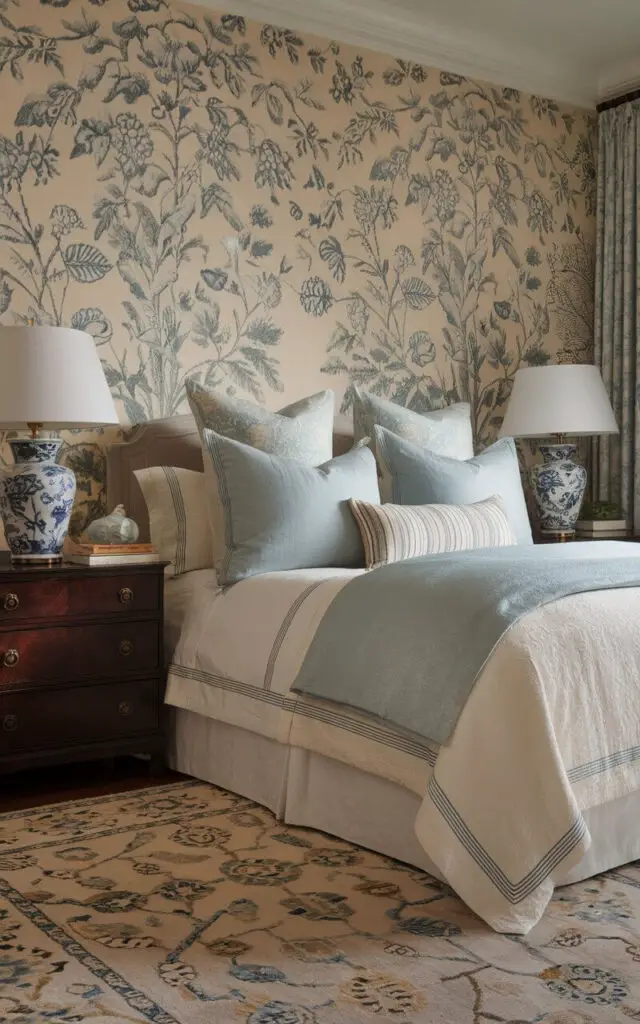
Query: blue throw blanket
[407,642]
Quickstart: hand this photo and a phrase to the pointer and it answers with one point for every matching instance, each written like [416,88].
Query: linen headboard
[170,442]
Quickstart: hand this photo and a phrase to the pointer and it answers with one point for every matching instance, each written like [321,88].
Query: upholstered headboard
[170,442]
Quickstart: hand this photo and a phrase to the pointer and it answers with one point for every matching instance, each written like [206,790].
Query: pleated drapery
[616,470]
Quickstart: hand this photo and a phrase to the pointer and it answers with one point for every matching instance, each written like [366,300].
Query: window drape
[616,469]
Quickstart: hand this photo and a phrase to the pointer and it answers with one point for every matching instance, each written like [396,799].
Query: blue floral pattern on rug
[185,904]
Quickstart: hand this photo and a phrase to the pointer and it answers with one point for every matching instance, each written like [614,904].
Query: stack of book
[112,554]
[602,529]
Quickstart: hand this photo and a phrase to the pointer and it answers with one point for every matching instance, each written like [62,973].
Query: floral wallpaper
[275,214]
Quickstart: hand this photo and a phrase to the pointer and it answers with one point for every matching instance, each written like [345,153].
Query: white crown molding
[366,23]
[623,78]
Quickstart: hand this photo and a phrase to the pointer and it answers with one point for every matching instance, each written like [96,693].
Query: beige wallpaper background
[279,214]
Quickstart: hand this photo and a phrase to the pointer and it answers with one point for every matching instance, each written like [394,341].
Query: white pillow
[178,519]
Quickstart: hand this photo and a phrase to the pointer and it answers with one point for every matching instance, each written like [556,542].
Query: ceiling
[578,51]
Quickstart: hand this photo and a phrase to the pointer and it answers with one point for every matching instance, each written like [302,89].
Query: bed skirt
[300,787]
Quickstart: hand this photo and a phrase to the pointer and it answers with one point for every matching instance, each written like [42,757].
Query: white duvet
[552,726]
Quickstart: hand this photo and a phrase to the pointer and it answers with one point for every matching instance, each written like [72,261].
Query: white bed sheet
[552,727]
[180,593]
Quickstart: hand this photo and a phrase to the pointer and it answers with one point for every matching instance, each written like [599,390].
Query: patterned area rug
[184,904]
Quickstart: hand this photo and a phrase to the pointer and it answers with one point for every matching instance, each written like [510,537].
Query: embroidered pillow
[444,431]
[301,431]
[420,477]
[178,520]
[271,513]
[391,533]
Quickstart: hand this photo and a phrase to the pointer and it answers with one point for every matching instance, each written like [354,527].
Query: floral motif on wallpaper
[202,194]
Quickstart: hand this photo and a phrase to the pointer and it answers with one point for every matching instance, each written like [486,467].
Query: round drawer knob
[10,723]
[11,658]
[124,708]
[125,595]
[126,648]
[10,602]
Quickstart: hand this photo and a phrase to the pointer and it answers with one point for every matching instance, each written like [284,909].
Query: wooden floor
[77,782]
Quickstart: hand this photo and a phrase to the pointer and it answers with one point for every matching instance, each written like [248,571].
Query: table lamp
[561,400]
[50,377]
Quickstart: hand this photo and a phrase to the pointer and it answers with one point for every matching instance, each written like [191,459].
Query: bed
[234,655]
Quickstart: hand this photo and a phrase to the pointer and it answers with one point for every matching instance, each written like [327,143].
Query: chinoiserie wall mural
[278,214]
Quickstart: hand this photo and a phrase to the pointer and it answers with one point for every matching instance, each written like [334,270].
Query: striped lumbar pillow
[178,520]
[391,533]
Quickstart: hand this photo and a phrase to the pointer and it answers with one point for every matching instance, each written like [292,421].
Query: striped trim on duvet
[391,533]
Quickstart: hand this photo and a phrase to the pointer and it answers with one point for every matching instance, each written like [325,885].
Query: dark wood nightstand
[81,664]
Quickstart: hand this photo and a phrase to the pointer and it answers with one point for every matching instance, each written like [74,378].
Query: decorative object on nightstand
[116,528]
[566,400]
[600,520]
[112,541]
[81,664]
[51,377]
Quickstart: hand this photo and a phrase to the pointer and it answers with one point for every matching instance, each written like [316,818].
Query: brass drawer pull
[126,648]
[124,708]
[11,658]
[10,723]
[10,602]
[125,595]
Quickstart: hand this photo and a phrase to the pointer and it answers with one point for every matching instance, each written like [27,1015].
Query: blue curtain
[616,475]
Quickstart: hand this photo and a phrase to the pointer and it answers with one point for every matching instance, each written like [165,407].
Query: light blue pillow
[444,431]
[419,477]
[301,431]
[271,513]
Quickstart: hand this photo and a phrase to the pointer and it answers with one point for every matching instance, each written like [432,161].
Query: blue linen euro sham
[415,476]
[272,513]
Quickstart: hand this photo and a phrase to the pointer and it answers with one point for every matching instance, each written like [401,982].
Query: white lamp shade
[560,399]
[52,376]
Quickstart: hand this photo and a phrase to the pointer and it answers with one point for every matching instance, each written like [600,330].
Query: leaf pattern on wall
[206,196]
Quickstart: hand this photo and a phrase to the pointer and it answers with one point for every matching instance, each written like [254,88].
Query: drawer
[86,595]
[61,653]
[50,718]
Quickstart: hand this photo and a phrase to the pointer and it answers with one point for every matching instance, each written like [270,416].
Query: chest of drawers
[81,664]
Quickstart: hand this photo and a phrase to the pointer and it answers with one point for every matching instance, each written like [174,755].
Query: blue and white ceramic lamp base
[36,501]
[558,484]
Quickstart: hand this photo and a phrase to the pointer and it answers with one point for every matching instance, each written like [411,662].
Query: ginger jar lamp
[565,400]
[51,378]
